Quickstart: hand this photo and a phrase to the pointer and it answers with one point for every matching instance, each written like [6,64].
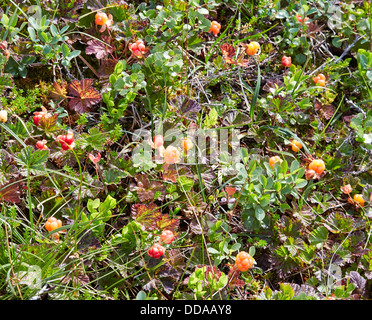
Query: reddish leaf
[168,223]
[170,175]
[234,280]
[10,192]
[60,91]
[147,215]
[146,190]
[228,52]
[84,95]
[48,123]
[230,190]
[98,48]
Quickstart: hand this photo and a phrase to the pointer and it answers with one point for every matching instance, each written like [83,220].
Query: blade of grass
[256,92]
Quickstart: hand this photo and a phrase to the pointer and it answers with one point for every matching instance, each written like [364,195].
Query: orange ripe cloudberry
[286,61]
[243,261]
[296,145]
[156,251]
[320,80]
[187,144]
[171,155]
[358,198]
[215,28]
[252,48]
[167,236]
[101,18]
[273,160]
[317,165]
[52,224]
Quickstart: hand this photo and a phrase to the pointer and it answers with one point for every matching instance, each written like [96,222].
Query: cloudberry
[296,145]
[244,261]
[101,18]
[359,199]
[286,61]
[300,19]
[52,224]
[66,140]
[273,160]
[158,141]
[347,189]
[167,236]
[138,48]
[215,28]
[187,144]
[171,155]
[156,251]
[317,165]
[320,80]
[41,144]
[40,114]
[252,48]
[3,116]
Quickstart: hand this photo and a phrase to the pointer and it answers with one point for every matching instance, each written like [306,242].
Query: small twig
[354,106]
[338,59]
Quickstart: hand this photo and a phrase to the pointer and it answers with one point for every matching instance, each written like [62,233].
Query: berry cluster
[41,145]
[320,80]
[286,61]
[300,19]
[67,141]
[138,48]
[244,261]
[252,48]
[215,28]
[104,20]
[315,170]
[38,115]
[52,224]
[157,250]
[274,160]
[296,145]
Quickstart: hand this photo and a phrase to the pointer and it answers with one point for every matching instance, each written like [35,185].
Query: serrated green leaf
[318,237]
[32,162]
[211,118]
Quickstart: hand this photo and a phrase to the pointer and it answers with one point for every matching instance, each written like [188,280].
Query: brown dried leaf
[326,111]
[10,192]
[84,95]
